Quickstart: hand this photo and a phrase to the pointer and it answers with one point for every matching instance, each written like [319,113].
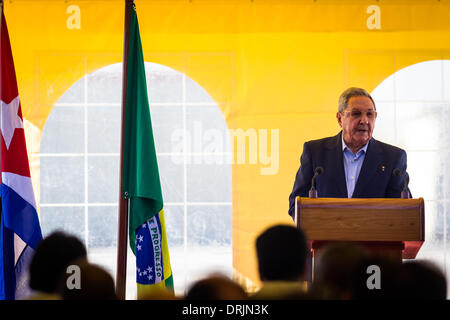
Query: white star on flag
[141,238]
[150,269]
[138,247]
[10,120]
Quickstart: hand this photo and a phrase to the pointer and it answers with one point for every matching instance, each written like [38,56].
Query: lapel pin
[382,168]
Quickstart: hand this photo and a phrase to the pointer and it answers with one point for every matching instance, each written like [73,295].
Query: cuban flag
[20,231]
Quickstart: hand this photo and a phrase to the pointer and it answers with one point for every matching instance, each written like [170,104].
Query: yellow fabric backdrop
[268,64]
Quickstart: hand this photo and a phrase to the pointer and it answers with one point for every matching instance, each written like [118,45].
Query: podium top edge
[356,202]
[359,199]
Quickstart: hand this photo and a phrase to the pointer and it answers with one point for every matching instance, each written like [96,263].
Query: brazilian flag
[140,178]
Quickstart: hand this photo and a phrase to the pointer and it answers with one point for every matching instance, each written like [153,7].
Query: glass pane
[446,182]
[434,234]
[426,183]
[167,123]
[67,219]
[75,94]
[171,175]
[419,82]
[104,129]
[105,85]
[207,130]
[103,226]
[209,225]
[205,260]
[446,76]
[174,218]
[64,131]
[103,179]
[420,125]
[209,179]
[447,244]
[209,233]
[385,126]
[446,108]
[164,85]
[62,180]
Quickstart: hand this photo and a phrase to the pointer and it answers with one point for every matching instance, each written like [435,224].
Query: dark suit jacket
[375,179]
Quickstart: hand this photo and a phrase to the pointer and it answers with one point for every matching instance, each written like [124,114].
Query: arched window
[79,162]
[413,108]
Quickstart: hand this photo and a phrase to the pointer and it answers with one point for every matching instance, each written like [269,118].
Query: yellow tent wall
[268,64]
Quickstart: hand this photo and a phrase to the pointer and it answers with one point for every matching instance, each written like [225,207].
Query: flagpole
[121,274]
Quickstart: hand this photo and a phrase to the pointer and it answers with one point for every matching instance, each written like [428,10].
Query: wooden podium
[393,228]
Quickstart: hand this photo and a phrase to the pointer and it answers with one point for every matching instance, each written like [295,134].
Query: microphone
[398,173]
[313,191]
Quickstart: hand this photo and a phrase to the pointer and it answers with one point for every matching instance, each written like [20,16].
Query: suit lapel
[372,161]
[335,152]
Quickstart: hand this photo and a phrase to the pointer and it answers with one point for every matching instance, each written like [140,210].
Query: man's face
[357,122]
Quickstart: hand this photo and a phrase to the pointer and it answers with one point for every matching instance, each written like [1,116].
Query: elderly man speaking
[351,164]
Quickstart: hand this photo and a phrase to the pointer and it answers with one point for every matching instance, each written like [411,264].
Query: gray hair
[352,92]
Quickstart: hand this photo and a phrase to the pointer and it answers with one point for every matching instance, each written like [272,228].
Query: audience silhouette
[94,283]
[343,271]
[52,257]
[281,251]
[363,287]
[216,287]
[334,269]
[421,280]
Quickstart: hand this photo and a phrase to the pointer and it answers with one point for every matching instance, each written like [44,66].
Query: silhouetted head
[375,279]
[53,254]
[281,252]
[87,281]
[421,280]
[335,268]
[216,287]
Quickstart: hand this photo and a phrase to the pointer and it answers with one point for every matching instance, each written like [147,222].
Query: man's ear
[339,118]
